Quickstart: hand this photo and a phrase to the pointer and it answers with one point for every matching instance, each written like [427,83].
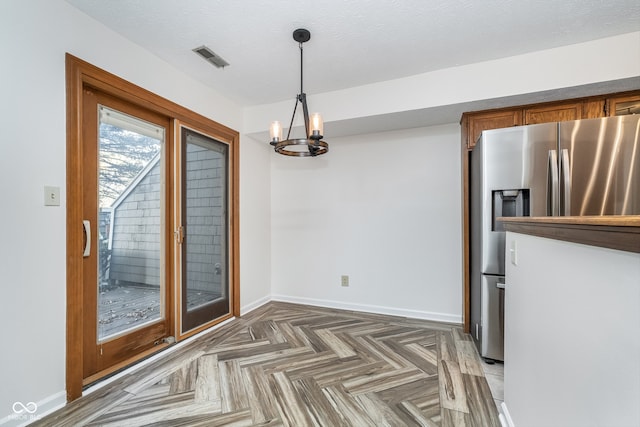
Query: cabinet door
[491,120]
[553,113]
[623,105]
[593,109]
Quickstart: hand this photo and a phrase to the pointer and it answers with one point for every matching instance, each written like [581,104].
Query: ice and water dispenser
[509,203]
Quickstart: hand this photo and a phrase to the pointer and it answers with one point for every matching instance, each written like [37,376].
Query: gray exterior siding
[135,241]
[204,219]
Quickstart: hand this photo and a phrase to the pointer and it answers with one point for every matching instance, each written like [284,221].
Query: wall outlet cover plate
[51,196]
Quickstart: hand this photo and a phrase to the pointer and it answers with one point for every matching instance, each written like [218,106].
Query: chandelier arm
[305,110]
[293,116]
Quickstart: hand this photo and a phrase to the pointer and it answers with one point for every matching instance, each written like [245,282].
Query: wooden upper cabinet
[553,113]
[476,123]
[473,123]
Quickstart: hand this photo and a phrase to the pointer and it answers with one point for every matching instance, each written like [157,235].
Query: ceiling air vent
[211,56]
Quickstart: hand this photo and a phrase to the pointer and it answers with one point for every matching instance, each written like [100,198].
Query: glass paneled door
[152,223]
[204,232]
[125,293]
[129,216]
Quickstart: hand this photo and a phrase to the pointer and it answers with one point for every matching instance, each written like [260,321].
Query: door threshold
[119,367]
[94,383]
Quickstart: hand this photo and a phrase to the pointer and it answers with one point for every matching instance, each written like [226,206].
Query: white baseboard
[506,416]
[254,305]
[413,314]
[22,415]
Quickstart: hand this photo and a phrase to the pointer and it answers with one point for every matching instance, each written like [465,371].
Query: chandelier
[312,145]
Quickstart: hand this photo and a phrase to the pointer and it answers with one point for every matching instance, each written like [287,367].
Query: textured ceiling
[352,42]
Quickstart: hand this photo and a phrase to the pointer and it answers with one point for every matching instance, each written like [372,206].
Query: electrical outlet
[345,280]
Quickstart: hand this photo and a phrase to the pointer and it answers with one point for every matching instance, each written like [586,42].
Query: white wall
[572,348]
[255,224]
[34,36]
[383,209]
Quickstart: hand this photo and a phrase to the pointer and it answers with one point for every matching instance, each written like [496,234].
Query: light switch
[51,196]
[513,251]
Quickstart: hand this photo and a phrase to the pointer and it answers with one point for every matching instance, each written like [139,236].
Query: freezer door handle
[552,184]
[565,190]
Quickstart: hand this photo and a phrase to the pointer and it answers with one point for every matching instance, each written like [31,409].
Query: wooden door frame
[78,75]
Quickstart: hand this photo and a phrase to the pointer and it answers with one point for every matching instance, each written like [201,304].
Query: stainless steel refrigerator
[584,167]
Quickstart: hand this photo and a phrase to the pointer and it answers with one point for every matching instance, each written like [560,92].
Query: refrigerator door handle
[565,190]
[552,184]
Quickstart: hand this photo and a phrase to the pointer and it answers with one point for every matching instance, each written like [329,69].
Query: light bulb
[275,131]
[316,126]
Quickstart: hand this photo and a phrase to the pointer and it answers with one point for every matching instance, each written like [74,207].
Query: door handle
[552,184]
[86,226]
[500,285]
[565,174]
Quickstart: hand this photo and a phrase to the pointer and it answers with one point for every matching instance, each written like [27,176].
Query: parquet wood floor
[293,365]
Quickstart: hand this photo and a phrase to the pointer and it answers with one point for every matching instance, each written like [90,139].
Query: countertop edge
[613,232]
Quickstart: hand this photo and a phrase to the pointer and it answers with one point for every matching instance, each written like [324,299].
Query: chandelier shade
[312,144]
